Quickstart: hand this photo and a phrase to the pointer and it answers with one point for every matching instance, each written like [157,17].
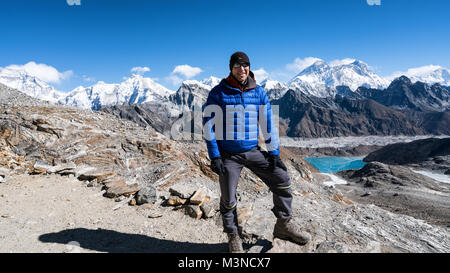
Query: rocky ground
[78,180]
[388,180]
[432,154]
[400,190]
[53,213]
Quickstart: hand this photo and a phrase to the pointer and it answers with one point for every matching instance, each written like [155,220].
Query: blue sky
[102,40]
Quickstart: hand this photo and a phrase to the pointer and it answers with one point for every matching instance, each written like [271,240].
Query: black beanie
[240,58]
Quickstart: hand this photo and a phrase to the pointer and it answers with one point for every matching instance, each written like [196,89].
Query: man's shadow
[116,242]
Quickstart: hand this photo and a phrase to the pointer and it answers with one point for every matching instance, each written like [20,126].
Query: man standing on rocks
[240,107]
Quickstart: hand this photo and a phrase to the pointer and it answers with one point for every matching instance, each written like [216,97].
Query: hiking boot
[235,243]
[287,230]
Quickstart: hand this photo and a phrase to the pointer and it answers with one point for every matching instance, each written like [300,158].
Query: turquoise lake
[336,164]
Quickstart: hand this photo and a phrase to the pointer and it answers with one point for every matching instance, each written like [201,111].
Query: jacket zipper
[242,98]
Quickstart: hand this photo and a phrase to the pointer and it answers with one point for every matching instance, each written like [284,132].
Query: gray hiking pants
[257,161]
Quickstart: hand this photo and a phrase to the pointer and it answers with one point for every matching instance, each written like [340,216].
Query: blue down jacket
[242,112]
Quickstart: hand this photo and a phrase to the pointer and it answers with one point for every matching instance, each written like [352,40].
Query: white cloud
[140,70]
[299,64]
[281,75]
[187,71]
[88,79]
[44,72]
[260,75]
[174,80]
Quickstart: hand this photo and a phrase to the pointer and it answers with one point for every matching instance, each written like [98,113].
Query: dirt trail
[61,214]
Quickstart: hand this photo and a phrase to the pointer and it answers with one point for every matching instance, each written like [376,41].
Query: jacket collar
[251,83]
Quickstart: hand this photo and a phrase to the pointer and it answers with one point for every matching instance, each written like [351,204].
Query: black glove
[275,161]
[217,166]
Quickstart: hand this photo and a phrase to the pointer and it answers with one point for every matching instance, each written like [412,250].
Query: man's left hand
[275,161]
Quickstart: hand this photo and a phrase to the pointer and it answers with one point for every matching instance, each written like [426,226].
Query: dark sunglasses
[244,65]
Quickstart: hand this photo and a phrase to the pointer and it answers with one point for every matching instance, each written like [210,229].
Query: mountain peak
[211,81]
[321,79]
[359,63]
[31,85]
[316,66]
[400,80]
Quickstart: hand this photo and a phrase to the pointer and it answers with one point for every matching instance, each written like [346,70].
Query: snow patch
[436,176]
[335,180]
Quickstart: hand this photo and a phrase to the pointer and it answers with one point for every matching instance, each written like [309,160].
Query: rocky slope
[306,116]
[400,190]
[403,94]
[143,168]
[391,179]
[10,96]
[413,152]
[144,114]
[430,154]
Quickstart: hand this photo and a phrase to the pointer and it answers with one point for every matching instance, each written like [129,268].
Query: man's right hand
[217,166]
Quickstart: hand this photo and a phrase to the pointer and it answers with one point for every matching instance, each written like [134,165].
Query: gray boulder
[148,194]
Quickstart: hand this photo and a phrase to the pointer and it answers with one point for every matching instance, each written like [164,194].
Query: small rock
[122,190]
[210,208]
[40,167]
[366,194]
[176,201]
[120,198]
[149,194]
[132,202]
[93,174]
[155,214]
[255,249]
[4,172]
[194,211]
[198,197]
[115,182]
[92,183]
[183,190]
[63,169]
[332,247]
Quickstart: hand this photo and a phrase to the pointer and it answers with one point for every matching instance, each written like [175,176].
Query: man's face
[241,72]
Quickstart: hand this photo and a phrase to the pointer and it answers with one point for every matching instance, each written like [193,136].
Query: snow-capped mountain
[274,89]
[135,89]
[211,81]
[21,80]
[320,79]
[430,74]
[403,94]
[192,93]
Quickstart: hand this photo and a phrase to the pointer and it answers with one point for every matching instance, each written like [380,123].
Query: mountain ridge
[320,79]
